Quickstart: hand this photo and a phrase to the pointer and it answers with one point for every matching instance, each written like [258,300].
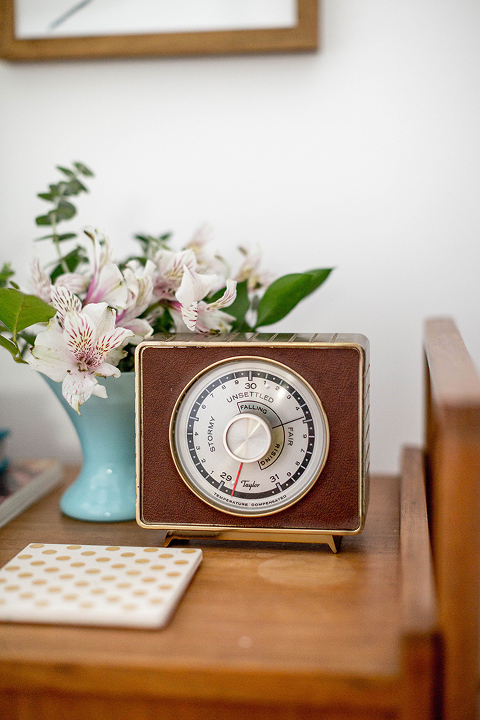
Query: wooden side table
[264,632]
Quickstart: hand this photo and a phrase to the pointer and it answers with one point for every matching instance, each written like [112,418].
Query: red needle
[236,479]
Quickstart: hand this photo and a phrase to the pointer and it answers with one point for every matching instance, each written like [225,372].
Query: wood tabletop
[258,623]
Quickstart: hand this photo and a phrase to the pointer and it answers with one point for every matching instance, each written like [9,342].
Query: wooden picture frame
[300,37]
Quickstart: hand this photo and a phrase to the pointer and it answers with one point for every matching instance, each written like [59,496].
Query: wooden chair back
[452,455]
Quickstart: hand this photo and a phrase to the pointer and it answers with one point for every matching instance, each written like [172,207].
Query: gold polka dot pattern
[95,585]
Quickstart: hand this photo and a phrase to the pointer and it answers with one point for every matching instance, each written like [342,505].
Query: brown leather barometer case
[335,368]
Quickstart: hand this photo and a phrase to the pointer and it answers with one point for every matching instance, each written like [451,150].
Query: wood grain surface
[293,629]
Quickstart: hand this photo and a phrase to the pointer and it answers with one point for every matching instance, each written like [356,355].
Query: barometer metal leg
[333,541]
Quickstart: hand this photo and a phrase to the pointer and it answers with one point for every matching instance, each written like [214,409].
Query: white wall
[364,156]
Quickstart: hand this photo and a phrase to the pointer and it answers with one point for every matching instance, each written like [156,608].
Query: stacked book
[23,482]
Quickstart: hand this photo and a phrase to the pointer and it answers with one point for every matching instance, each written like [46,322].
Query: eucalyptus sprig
[60,194]
[18,310]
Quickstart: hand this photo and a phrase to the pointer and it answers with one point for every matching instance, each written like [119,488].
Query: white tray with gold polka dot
[95,584]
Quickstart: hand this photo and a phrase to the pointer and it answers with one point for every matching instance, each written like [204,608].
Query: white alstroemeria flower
[107,284]
[201,239]
[40,281]
[139,281]
[208,320]
[43,288]
[211,317]
[194,287]
[250,270]
[75,282]
[169,272]
[207,261]
[88,345]
[63,300]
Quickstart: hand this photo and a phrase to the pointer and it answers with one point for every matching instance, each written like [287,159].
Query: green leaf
[151,244]
[141,260]
[65,210]
[5,274]
[66,171]
[83,169]
[47,196]
[163,323]
[28,337]
[59,238]
[75,187]
[62,187]
[18,311]
[10,346]
[72,260]
[286,292]
[46,219]
[65,236]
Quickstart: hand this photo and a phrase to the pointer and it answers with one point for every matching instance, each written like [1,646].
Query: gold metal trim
[333,541]
[199,530]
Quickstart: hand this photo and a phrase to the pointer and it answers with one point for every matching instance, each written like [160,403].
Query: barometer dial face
[249,436]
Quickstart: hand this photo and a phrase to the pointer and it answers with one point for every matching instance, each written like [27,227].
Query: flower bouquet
[86,312]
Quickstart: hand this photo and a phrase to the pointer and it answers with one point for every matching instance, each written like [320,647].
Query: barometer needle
[274,427]
[236,479]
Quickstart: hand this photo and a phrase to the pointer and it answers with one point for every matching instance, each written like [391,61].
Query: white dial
[249,436]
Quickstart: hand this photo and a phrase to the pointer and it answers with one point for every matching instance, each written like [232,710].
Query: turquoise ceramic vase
[105,489]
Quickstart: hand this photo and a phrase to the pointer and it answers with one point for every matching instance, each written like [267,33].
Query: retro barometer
[258,437]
